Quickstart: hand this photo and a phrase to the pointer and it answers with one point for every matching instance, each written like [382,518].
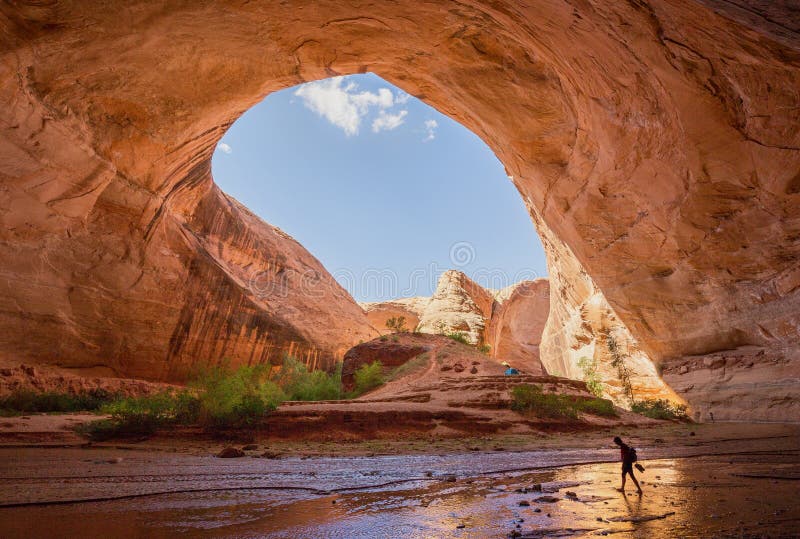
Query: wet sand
[728,481]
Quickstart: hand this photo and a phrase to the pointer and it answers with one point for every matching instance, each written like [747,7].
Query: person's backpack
[633,456]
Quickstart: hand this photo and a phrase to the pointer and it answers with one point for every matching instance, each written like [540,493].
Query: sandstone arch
[656,143]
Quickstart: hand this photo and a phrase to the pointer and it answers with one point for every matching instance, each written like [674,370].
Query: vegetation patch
[591,376]
[23,401]
[530,399]
[141,416]
[367,377]
[397,324]
[660,409]
[459,336]
[222,399]
[300,384]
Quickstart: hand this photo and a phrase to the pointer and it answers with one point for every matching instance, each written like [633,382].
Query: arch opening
[670,215]
[386,191]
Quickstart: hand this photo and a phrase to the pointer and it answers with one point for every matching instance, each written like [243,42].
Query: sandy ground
[727,480]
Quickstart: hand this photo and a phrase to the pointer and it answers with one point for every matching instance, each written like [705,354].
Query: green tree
[590,375]
[618,362]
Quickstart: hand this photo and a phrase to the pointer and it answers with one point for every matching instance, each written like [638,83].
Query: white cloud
[430,129]
[338,101]
[386,121]
[402,98]
[328,99]
[383,99]
[225,147]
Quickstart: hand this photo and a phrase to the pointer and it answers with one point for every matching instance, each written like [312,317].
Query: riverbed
[743,487]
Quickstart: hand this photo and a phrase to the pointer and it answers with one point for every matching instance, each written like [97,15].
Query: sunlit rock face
[514,331]
[658,140]
[510,321]
[582,326]
[459,305]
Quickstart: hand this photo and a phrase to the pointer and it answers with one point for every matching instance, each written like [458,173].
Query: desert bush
[459,336]
[27,400]
[230,398]
[527,398]
[218,398]
[660,409]
[141,416]
[485,349]
[397,324]
[368,376]
[590,375]
[618,360]
[597,406]
[298,384]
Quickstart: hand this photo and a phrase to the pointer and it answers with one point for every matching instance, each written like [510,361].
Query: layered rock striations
[657,140]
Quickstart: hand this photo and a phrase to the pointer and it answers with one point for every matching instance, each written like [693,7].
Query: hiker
[509,369]
[628,455]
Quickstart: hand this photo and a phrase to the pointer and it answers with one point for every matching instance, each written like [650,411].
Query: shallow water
[392,496]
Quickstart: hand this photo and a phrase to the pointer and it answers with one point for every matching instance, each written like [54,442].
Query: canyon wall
[514,331]
[658,140]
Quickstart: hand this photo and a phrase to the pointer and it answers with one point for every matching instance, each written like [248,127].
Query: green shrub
[485,349]
[219,398]
[459,336]
[224,398]
[298,384]
[140,416]
[101,430]
[236,398]
[590,375]
[660,409]
[528,398]
[26,400]
[597,406]
[368,376]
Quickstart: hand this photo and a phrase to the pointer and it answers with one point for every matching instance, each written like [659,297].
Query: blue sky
[384,190]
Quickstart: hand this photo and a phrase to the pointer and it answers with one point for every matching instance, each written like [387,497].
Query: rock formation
[409,308]
[458,305]
[510,320]
[659,141]
[582,326]
[515,329]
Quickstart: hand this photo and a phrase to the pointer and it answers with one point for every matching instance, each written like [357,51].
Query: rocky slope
[659,140]
[446,389]
[510,320]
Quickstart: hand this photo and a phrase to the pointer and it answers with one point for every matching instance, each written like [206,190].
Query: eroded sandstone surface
[458,304]
[515,329]
[658,140]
